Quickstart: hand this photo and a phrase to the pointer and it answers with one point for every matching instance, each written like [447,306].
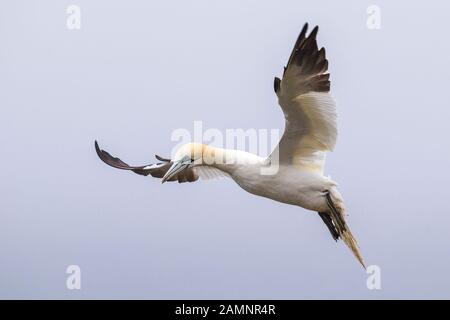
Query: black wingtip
[298,43]
[97,148]
[305,28]
[100,152]
[161,158]
[302,35]
[276,84]
[314,32]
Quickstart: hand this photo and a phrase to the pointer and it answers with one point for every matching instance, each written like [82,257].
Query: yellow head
[187,156]
[193,151]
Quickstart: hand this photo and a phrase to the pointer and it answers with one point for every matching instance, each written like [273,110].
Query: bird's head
[187,156]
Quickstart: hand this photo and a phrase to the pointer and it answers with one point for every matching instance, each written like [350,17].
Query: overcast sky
[138,70]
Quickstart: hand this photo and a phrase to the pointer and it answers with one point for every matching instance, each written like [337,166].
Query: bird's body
[294,172]
[296,187]
[291,185]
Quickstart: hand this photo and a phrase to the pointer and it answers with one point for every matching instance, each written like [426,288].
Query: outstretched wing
[310,111]
[157,170]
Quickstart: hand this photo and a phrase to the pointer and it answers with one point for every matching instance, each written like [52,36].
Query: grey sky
[137,70]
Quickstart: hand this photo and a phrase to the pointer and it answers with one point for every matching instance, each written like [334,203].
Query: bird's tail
[338,227]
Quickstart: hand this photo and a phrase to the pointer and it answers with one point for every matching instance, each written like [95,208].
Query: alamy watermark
[374,17]
[255,141]
[73,281]
[373,281]
[73,21]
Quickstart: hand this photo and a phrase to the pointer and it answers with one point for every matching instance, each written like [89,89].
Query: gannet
[310,131]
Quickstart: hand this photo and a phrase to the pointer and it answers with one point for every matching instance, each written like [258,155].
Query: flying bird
[310,131]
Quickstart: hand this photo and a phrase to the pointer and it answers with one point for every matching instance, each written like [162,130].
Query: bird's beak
[175,168]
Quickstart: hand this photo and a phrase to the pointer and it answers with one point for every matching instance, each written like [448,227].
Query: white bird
[310,131]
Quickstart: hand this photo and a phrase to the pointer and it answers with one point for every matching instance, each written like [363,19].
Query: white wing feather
[309,109]
[209,173]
